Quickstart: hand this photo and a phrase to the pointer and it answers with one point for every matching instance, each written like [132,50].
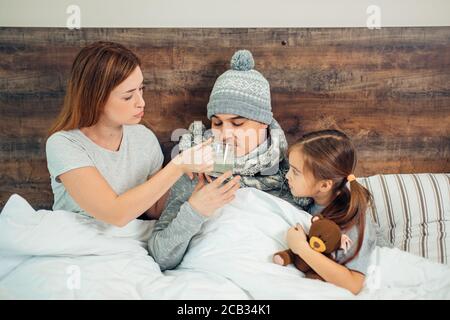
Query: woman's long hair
[330,155]
[96,71]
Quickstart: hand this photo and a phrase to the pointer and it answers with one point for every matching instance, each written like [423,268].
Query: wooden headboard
[388,89]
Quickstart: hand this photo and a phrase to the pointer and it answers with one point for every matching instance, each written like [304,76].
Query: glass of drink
[223,157]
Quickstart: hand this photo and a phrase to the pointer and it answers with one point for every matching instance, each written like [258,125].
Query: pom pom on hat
[242,60]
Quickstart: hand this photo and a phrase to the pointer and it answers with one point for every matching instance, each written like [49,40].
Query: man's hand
[205,176]
[207,198]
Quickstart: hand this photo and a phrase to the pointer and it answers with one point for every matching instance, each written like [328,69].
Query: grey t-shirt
[139,156]
[361,262]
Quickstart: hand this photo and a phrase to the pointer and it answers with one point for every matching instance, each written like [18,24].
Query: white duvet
[61,255]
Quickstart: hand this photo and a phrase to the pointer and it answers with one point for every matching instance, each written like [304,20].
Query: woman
[102,162]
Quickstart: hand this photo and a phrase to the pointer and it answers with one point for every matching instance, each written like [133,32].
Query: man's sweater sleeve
[178,223]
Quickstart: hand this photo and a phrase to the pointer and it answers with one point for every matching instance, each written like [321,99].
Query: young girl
[321,166]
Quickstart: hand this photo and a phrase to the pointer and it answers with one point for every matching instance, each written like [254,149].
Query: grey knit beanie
[242,91]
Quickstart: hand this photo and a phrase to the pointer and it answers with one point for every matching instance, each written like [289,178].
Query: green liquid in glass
[223,167]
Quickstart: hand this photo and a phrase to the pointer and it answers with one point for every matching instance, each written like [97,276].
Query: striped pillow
[413,212]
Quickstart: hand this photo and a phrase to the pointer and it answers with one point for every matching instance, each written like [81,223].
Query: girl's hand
[207,198]
[196,159]
[296,238]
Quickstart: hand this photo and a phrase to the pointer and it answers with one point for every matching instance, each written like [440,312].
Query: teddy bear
[324,236]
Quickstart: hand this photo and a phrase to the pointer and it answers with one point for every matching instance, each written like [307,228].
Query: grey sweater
[179,222]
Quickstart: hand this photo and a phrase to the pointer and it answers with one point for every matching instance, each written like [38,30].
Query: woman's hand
[296,238]
[207,198]
[196,159]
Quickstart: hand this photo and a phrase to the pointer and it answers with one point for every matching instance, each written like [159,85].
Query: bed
[61,255]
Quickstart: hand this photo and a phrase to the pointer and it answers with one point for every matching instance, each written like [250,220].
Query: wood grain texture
[388,89]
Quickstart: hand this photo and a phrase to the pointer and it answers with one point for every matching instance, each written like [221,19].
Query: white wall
[225,13]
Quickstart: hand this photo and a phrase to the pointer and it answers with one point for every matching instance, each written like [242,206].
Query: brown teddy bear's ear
[316,217]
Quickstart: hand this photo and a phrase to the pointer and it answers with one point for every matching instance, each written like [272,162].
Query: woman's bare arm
[157,209]
[94,195]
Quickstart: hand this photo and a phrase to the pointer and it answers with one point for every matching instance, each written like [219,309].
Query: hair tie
[351,177]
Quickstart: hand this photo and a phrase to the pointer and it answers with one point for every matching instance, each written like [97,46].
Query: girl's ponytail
[360,200]
[348,208]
